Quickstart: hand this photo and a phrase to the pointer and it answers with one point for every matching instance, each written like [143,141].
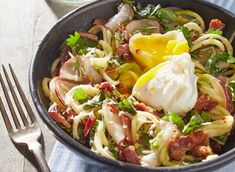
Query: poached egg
[170,86]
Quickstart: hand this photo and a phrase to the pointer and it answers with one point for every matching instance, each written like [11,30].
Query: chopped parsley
[175,119]
[215,58]
[195,121]
[79,44]
[126,105]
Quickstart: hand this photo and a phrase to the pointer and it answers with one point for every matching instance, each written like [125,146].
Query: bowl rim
[62,136]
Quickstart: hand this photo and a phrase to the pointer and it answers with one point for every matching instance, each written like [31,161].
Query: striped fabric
[227,4]
[63,160]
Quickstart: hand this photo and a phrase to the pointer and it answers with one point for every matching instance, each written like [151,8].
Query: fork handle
[36,149]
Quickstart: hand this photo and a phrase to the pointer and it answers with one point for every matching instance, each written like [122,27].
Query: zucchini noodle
[194,26]
[219,112]
[107,34]
[100,141]
[45,86]
[140,119]
[210,41]
[108,79]
[54,65]
[75,105]
[76,121]
[193,14]
[204,37]
[207,84]
[103,61]
[219,127]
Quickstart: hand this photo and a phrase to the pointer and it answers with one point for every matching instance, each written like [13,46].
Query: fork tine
[15,119]
[5,117]
[23,97]
[16,100]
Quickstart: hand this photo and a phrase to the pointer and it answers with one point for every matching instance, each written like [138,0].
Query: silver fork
[29,131]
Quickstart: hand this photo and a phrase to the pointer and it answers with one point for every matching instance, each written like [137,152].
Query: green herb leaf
[194,123]
[111,147]
[187,34]
[175,119]
[231,86]
[214,59]
[78,44]
[95,102]
[82,51]
[126,105]
[112,60]
[165,15]
[73,39]
[128,1]
[196,120]
[80,95]
[218,32]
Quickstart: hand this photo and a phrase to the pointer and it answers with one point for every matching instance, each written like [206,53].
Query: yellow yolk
[151,50]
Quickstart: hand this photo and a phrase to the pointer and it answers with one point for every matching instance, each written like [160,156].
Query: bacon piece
[88,35]
[229,103]
[129,155]
[104,85]
[68,115]
[126,124]
[140,106]
[123,51]
[99,21]
[197,144]
[205,103]
[125,34]
[216,24]
[113,108]
[88,126]
[54,113]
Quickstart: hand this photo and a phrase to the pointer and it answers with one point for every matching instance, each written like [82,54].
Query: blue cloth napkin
[63,160]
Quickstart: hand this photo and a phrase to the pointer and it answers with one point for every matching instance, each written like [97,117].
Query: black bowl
[82,19]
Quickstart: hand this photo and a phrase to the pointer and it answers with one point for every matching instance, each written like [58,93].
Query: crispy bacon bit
[88,35]
[54,113]
[125,34]
[126,123]
[88,126]
[99,21]
[123,51]
[140,106]
[229,103]
[196,144]
[68,115]
[194,37]
[104,85]
[216,24]
[113,108]
[205,103]
[138,51]
[129,155]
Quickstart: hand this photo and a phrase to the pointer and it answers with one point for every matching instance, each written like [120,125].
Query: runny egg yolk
[151,50]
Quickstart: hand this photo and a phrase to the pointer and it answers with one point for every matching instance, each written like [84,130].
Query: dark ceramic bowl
[81,19]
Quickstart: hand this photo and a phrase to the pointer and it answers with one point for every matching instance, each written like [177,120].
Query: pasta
[151,86]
